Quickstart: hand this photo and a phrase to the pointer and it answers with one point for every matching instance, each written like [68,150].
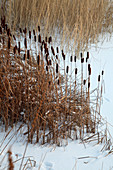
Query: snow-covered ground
[76,155]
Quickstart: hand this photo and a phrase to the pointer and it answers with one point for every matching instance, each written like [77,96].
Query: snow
[76,155]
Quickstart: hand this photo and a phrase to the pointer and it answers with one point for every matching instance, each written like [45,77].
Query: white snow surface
[76,155]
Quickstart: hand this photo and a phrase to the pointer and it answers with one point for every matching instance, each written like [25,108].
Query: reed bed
[36,90]
[77,23]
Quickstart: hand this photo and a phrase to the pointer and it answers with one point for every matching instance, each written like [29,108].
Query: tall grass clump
[81,21]
[36,90]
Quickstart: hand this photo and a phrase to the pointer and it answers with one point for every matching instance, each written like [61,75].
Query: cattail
[43,42]
[57,57]
[28,54]
[50,40]
[39,28]
[57,49]
[88,85]
[81,55]
[45,39]
[71,59]
[14,38]
[25,42]
[57,68]
[46,68]
[20,30]
[24,57]
[49,82]
[50,63]
[76,70]
[90,71]
[0,30]
[82,60]
[58,81]
[46,57]
[102,72]
[9,43]
[84,82]
[88,67]
[75,59]
[38,59]
[25,30]
[35,38]
[8,32]
[52,49]
[99,78]
[39,38]
[41,48]
[29,34]
[19,47]
[86,59]
[87,55]
[67,69]
[33,32]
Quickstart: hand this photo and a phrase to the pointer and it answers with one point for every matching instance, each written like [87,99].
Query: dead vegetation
[78,23]
[37,90]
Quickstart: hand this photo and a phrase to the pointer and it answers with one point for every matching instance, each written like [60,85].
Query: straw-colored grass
[81,21]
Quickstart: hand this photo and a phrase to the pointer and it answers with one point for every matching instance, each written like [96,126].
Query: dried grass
[81,22]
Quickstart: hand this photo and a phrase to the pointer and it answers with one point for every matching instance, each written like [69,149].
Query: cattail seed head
[82,60]
[25,43]
[88,67]
[35,38]
[67,69]
[24,57]
[87,55]
[45,39]
[99,78]
[52,49]
[76,70]
[58,82]
[46,68]
[57,68]
[41,48]
[57,49]
[39,28]
[84,82]
[14,38]
[57,57]
[50,63]
[29,34]
[33,32]
[102,72]
[88,85]
[71,59]
[50,40]
[90,71]
[19,47]
[28,54]
[81,55]
[20,30]
[39,38]
[75,59]
[38,59]
[8,32]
